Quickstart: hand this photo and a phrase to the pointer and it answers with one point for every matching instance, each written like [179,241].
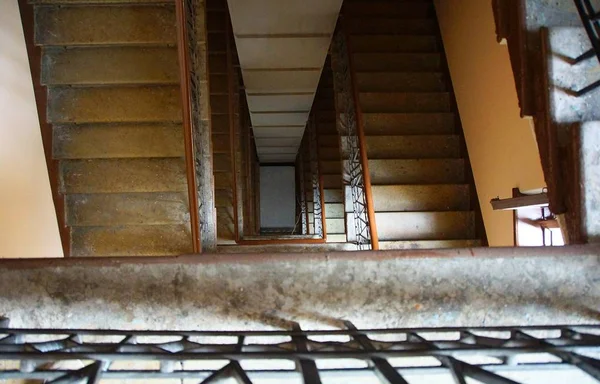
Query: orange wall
[501,145]
[28,226]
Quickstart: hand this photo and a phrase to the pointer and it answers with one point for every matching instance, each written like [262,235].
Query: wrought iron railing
[348,129]
[590,18]
[493,355]
[315,178]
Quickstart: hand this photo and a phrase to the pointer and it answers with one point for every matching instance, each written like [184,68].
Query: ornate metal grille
[302,191]
[501,355]
[347,126]
[590,17]
[314,171]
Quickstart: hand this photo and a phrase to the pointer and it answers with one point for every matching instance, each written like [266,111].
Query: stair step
[427,171]
[404,102]
[413,147]
[114,104]
[397,62]
[400,82]
[332,181]
[408,123]
[402,198]
[334,210]
[221,143]
[393,43]
[424,225]
[117,141]
[98,2]
[116,209]
[225,226]
[110,65]
[103,25]
[405,10]
[220,124]
[331,167]
[138,240]
[123,175]
[224,198]
[428,244]
[221,162]
[333,195]
[337,238]
[219,84]
[326,154]
[223,180]
[330,141]
[390,25]
[335,226]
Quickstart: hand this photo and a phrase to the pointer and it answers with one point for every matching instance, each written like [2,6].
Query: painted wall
[28,226]
[277,196]
[501,145]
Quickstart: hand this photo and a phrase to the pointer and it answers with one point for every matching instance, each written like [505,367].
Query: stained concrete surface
[472,286]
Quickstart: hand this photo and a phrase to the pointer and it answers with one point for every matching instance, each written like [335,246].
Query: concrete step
[95,141]
[394,43]
[115,209]
[427,171]
[105,25]
[335,226]
[333,195]
[403,198]
[413,147]
[385,24]
[404,10]
[137,240]
[110,65]
[334,210]
[397,62]
[331,167]
[123,175]
[424,225]
[400,82]
[114,104]
[405,102]
[408,123]
[428,244]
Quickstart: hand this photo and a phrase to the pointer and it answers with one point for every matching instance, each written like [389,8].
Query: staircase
[420,174]
[114,103]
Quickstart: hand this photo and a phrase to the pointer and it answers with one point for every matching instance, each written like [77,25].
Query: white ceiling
[282,45]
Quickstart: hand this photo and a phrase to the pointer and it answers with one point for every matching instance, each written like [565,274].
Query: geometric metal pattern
[492,355]
[590,18]
[315,177]
[348,129]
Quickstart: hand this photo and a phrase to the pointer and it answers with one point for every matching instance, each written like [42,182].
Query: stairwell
[421,182]
[114,104]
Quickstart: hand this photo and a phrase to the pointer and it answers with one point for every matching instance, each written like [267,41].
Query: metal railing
[348,129]
[492,355]
[590,17]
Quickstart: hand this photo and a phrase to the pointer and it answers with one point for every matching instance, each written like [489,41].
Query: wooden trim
[362,144]
[232,128]
[34,54]
[184,79]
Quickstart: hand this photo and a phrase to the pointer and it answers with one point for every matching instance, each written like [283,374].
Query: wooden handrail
[362,141]
[184,79]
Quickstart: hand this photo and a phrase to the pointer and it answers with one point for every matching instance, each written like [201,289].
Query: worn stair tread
[332,181]
[105,25]
[339,238]
[428,244]
[400,82]
[223,180]
[417,171]
[333,195]
[329,141]
[221,143]
[135,240]
[405,101]
[334,210]
[335,225]
[94,141]
[123,175]
[396,62]
[413,147]
[380,24]
[408,123]
[116,209]
[425,225]
[394,43]
[114,104]
[221,162]
[331,167]
[403,198]
[110,65]
[402,9]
